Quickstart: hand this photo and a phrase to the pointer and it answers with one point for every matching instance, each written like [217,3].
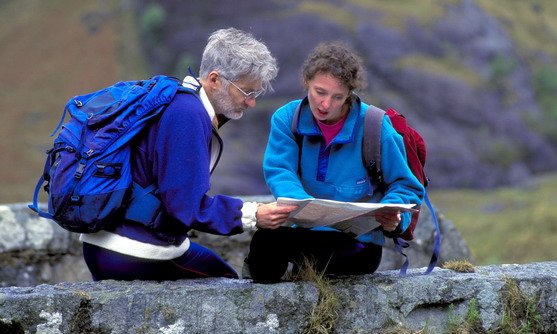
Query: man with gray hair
[178,152]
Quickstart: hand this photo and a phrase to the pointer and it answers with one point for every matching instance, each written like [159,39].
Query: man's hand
[272,216]
[389,219]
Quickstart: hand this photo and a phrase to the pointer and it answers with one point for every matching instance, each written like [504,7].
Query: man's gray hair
[236,54]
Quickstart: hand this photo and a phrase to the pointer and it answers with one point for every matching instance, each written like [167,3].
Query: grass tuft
[461,266]
[470,324]
[473,317]
[520,314]
[324,316]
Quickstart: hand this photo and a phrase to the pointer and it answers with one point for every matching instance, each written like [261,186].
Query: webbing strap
[60,122]
[372,137]
[371,147]
[437,242]
[297,136]
[35,205]
[400,244]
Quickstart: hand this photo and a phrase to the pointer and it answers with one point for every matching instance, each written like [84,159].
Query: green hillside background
[52,50]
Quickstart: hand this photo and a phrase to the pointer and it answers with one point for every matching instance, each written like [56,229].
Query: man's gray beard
[224,105]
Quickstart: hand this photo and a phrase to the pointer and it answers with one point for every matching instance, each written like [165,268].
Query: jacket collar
[308,127]
[193,83]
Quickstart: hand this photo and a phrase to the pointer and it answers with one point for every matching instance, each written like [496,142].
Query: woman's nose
[325,103]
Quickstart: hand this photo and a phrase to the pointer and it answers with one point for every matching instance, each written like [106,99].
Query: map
[350,217]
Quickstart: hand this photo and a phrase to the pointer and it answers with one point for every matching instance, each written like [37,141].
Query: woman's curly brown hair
[336,59]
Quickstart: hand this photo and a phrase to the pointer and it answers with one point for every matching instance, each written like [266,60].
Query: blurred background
[478,79]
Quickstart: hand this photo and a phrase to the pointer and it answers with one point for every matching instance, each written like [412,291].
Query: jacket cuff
[249,209]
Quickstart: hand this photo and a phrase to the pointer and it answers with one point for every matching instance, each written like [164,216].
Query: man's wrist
[249,215]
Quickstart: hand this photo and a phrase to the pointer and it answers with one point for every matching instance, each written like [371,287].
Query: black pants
[331,252]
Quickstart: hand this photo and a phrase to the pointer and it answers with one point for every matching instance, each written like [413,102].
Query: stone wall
[378,303]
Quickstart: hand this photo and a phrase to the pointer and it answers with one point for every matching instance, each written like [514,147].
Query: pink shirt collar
[330,131]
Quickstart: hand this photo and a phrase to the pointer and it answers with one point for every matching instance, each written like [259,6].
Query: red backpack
[414,145]
[415,148]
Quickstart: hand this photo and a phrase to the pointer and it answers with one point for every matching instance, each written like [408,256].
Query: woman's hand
[272,216]
[389,219]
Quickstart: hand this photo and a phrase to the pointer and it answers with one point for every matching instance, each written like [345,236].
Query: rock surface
[367,304]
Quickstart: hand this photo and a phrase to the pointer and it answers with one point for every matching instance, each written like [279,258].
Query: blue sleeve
[182,162]
[280,162]
[402,186]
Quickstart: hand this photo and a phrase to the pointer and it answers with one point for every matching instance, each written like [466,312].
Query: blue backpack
[87,171]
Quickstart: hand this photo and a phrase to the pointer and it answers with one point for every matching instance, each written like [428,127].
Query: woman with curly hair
[322,158]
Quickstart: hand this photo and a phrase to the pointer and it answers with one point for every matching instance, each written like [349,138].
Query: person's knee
[268,257]
[267,272]
[267,237]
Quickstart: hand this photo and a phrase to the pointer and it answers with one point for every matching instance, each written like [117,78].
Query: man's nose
[251,103]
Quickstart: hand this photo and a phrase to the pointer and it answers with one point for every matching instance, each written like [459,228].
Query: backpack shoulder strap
[371,144]
[294,129]
[295,117]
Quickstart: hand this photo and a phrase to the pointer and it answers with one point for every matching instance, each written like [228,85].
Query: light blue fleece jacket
[336,171]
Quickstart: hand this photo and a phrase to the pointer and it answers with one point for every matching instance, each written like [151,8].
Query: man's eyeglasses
[248,96]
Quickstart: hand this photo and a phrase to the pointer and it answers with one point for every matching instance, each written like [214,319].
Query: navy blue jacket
[175,155]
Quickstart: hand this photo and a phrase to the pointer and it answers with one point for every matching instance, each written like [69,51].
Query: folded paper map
[350,217]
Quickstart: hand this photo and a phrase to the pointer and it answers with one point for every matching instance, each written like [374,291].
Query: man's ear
[212,81]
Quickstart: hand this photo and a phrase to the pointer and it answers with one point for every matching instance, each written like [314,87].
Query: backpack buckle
[375,173]
[79,170]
